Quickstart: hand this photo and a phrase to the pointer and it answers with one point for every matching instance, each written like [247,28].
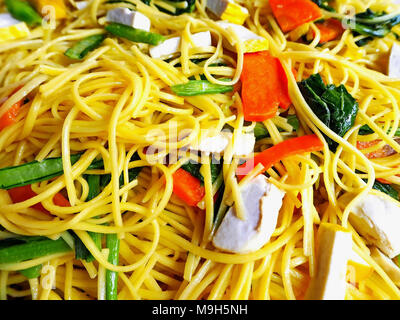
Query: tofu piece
[12,29]
[334,246]
[81,4]
[394,62]
[228,10]
[244,145]
[129,17]
[7,20]
[262,202]
[218,144]
[377,218]
[215,144]
[391,268]
[172,45]
[357,268]
[252,42]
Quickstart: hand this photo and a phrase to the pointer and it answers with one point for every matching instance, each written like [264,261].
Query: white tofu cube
[262,202]
[377,218]
[7,20]
[394,62]
[215,144]
[252,42]
[81,4]
[172,45]
[333,252]
[130,18]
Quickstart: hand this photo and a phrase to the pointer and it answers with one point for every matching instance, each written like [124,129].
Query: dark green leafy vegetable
[334,106]
[385,188]
[37,171]
[83,47]
[366,130]
[180,6]
[199,87]
[23,11]
[32,272]
[32,250]
[135,35]
[294,121]
[371,24]
[81,252]
[323,4]
[112,243]
[260,131]
[194,170]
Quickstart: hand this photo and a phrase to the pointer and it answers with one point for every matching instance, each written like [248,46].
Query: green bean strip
[81,252]
[135,35]
[32,272]
[37,171]
[23,11]
[112,243]
[199,87]
[83,47]
[32,250]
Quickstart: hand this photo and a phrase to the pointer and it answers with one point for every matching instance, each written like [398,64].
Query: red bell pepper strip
[264,86]
[10,116]
[187,187]
[281,151]
[291,14]
[24,193]
[330,30]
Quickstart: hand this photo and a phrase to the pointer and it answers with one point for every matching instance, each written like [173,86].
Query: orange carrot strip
[264,86]
[24,193]
[330,30]
[283,150]
[187,187]
[291,14]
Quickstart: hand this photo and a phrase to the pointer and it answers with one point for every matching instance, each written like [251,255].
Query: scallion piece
[32,250]
[112,243]
[32,272]
[23,11]
[135,35]
[37,171]
[84,46]
[199,87]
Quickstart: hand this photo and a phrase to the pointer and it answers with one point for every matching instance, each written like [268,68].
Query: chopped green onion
[37,171]
[200,87]
[32,272]
[112,243]
[135,35]
[81,252]
[23,11]
[32,250]
[293,121]
[84,46]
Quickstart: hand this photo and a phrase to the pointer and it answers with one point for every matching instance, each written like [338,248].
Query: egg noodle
[115,103]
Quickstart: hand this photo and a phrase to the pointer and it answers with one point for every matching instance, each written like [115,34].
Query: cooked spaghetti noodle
[116,105]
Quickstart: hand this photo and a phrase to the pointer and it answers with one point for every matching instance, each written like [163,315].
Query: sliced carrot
[264,86]
[60,200]
[283,150]
[24,193]
[384,181]
[187,187]
[21,194]
[291,14]
[330,30]
[10,116]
